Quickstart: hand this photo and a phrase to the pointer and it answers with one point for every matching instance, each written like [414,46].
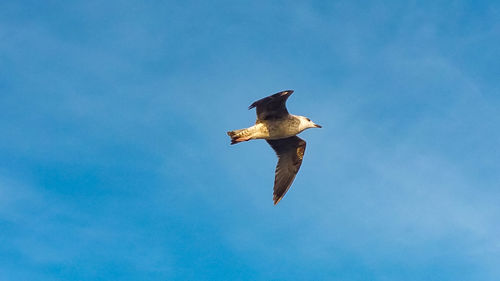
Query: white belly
[279,130]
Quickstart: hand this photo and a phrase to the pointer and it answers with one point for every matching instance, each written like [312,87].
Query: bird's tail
[239,135]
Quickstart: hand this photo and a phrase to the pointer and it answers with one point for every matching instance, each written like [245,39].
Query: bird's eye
[308,119]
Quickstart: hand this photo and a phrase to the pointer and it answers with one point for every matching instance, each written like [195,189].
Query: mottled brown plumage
[290,152]
[279,129]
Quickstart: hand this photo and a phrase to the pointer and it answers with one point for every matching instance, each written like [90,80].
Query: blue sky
[115,165]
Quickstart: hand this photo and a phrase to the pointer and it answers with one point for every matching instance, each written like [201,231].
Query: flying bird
[280,129]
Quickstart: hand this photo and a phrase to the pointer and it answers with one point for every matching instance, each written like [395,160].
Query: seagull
[280,129]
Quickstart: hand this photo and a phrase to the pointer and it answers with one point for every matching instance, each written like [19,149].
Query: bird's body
[279,129]
[271,129]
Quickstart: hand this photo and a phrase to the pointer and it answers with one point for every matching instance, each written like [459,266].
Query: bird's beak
[317,126]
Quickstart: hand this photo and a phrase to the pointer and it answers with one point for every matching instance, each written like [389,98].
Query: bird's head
[306,123]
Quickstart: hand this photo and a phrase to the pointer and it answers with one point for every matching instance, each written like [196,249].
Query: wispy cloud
[115,165]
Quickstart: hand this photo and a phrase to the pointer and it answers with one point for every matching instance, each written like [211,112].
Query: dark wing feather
[290,152]
[272,107]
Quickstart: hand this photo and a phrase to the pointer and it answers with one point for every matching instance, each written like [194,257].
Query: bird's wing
[290,152]
[272,107]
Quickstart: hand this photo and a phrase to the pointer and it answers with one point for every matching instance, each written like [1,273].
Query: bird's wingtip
[284,93]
